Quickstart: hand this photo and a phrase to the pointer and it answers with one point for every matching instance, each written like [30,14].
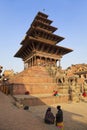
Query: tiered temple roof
[40,41]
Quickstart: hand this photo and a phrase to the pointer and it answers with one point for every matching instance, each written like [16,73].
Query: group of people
[57,119]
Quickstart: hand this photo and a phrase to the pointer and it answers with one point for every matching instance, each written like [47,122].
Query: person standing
[59,118]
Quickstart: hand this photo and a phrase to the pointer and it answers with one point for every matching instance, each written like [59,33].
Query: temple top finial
[43,9]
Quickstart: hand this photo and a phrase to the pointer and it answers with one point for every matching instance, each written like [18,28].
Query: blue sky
[69,16]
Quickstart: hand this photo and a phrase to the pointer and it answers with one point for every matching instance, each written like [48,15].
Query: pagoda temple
[41,56]
[39,47]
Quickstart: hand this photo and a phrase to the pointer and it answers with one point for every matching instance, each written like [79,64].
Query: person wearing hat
[59,118]
[49,117]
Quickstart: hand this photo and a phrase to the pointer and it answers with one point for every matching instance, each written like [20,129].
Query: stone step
[27,79]
[41,99]
[34,88]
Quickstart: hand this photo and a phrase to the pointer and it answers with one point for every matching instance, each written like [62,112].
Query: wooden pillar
[50,62]
[40,60]
[59,63]
[32,62]
[34,59]
[29,63]
[45,61]
[55,62]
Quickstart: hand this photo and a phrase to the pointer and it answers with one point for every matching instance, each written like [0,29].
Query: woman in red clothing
[55,93]
[84,94]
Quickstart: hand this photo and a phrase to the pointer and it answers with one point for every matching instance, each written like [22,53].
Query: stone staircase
[36,80]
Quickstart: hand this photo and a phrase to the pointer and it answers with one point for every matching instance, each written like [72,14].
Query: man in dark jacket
[59,117]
